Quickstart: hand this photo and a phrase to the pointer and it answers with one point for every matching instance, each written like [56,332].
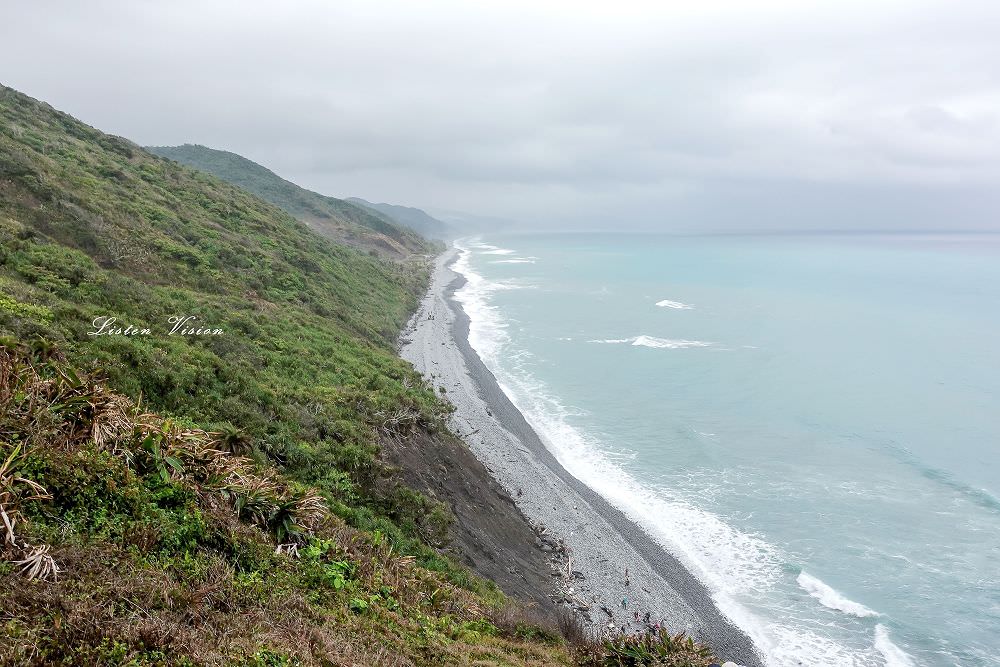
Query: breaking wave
[734,564]
[653,341]
[830,598]
[677,305]
[894,656]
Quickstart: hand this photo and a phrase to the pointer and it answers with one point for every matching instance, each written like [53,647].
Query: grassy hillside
[304,377]
[414,218]
[131,539]
[305,373]
[216,499]
[335,218]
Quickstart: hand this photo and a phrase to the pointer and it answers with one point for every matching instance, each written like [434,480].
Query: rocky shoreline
[602,565]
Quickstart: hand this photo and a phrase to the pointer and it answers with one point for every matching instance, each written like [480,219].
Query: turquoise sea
[811,423]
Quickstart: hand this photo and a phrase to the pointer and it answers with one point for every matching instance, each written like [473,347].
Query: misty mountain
[338,220]
[414,218]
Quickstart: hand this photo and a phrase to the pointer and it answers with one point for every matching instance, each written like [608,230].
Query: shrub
[653,649]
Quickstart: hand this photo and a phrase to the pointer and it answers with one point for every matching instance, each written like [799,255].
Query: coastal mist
[811,424]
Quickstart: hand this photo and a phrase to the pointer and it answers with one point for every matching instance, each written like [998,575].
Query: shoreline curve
[598,534]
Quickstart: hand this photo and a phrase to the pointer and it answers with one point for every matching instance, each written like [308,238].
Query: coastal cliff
[210,452]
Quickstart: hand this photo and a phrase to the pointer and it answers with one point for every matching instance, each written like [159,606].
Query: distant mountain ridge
[337,219]
[416,219]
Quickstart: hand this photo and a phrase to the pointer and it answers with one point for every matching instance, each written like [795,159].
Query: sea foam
[733,564]
[653,341]
[830,598]
[894,656]
[487,330]
[677,305]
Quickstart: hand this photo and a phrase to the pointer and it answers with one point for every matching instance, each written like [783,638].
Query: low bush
[132,539]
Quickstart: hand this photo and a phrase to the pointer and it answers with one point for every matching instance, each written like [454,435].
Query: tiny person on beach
[624,603]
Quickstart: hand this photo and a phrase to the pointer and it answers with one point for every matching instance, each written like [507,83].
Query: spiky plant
[655,649]
[37,563]
[43,349]
[310,509]
[47,404]
[233,440]
[15,489]
[254,498]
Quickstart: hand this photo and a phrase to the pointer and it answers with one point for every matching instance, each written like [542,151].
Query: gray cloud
[728,115]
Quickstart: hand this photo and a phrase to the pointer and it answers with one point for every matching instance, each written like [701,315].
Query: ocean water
[811,423]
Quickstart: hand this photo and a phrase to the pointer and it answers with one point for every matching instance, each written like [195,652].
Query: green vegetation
[337,219]
[213,499]
[304,376]
[414,218]
[304,379]
[132,539]
[661,649]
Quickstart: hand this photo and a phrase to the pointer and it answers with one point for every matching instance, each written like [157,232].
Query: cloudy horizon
[724,117]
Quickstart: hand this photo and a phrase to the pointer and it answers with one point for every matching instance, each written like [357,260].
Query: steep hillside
[164,535]
[224,496]
[414,218]
[92,227]
[128,538]
[334,218]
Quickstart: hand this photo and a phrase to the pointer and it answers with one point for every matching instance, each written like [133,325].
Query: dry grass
[275,576]
[46,404]
[573,629]
[651,649]
[109,599]
[106,598]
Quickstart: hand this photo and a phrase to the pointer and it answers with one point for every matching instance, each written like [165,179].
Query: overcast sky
[673,115]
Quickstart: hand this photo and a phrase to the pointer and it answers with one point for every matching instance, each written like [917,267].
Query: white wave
[516,260]
[894,656]
[730,562]
[671,519]
[653,341]
[487,329]
[498,251]
[666,303]
[830,598]
[800,647]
